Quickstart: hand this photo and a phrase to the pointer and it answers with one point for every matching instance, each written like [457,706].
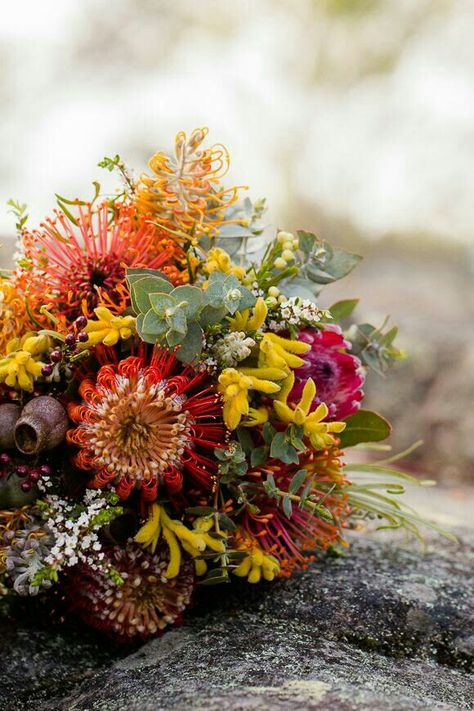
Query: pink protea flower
[338,375]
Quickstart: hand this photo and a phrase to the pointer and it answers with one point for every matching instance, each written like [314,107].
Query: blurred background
[355,118]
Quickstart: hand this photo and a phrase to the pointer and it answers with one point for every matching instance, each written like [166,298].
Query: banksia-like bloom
[184,193]
[293,540]
[140,423]
[140,606]
[338,375]
[77,265]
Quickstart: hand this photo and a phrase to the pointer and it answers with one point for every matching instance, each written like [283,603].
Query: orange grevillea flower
[144,425]
[14,319]
[292,540]
[78,263]
[184,193]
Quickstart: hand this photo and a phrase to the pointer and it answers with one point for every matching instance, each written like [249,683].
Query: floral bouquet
[174,404]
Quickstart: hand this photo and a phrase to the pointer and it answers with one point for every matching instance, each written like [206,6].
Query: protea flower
[338,375]
[292,540]
[14,319]
[139,605]
[76,264]
[184,192]
[143,424]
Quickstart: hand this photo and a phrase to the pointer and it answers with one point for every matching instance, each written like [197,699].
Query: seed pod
[9,414]
[42,425]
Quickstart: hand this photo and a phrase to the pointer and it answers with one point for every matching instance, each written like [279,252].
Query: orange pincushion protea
[77,264]
[144,425]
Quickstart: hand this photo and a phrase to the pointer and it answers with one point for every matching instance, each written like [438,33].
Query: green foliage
[321,264]
[47,572]
[244,223]
[232,462]
[175,317]
[343,309]
[364,426]
[374,494]
[19,210]
[375,348]
[300,493]
[287,445]
[114,576]
[117,164]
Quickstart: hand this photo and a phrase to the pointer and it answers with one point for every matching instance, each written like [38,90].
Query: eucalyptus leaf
[343,309]
[160,302]
[191,345]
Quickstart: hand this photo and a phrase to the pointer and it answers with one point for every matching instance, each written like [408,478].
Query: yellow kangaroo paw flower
[264,386]
[284,413]
[259,315]
[175,554]
[309,392]
[286,388]
[298,347]
[255,574]
[243,569]
[265,373]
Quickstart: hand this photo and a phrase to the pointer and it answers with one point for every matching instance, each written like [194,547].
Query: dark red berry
[70,340]
[22,470]
[82,337]
[26,486]
[47,370]
[5,458]
[81,322]
[46,470]
[55,356]
[35,475]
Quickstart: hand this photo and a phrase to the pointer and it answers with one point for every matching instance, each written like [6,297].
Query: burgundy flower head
[338,375]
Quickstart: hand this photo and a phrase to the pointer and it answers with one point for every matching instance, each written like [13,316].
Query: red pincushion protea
[338,375]
[293,540]
[141,425]
[139,608]
[77,265]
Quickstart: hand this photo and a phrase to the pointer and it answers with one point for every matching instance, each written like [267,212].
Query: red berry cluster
[77,335]
[30,473]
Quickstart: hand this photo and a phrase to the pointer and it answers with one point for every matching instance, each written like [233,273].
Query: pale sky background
[362,108]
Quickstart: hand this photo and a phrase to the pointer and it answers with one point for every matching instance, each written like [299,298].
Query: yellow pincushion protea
[13,317]
[184,192]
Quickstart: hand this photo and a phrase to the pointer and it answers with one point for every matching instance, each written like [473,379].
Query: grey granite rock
[383,628]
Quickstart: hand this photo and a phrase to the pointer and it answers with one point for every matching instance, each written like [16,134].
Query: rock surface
[384,627]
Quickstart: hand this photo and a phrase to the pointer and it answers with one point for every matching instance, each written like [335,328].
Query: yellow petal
[309,392]
[260,312]
[265,386]
[175,554]
[265,373]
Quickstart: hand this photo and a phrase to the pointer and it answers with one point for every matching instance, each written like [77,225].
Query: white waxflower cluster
[75,535]
[233,348]
[298,312]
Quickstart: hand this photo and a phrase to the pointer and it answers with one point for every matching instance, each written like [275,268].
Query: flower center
[139,429]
